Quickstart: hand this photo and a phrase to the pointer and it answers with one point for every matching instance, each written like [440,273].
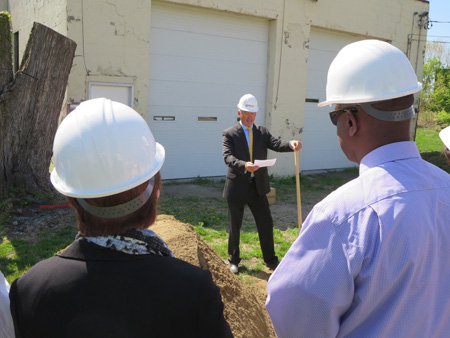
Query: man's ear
[352,123]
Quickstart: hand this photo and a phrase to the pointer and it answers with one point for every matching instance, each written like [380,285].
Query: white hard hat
[248,103]
[444,134]
[103,148]
[369,71]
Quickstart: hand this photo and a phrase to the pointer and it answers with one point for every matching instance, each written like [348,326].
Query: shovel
[299,201]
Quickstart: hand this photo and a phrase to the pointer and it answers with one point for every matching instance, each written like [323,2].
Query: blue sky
[439,11]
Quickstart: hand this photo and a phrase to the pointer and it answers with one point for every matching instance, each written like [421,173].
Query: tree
[430,69]
[435,96]
[441,97]
[30,106]
[439,51]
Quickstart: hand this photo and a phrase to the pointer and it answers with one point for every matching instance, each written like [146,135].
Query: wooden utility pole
[30,106]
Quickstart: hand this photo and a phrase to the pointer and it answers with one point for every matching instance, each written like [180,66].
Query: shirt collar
[389,153]
[245,127]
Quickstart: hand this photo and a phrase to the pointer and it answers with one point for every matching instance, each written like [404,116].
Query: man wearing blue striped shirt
[373,257]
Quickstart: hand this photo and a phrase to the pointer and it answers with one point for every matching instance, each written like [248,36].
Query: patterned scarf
[132,242]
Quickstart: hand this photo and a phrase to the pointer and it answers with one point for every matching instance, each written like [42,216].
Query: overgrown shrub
[442,118]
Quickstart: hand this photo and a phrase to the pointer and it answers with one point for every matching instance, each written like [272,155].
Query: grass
[207,215]
[18,255]
[430,146]
[427,139]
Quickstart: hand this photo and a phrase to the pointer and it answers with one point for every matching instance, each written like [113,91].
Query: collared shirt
[373,258]
[6,322]
[245,128]
[246,131]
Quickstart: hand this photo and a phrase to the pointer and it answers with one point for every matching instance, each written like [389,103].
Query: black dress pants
[259,206]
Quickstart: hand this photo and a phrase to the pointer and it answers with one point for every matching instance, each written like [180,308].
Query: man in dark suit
[247,183]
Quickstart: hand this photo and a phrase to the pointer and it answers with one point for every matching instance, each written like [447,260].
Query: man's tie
[250,143]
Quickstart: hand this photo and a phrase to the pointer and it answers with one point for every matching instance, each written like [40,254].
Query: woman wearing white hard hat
[118,278]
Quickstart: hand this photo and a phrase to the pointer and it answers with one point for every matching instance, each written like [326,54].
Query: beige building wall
[4,6]
[51,13]
[113,43]
[112,46]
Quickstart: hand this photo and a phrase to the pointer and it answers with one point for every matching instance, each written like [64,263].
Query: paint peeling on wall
[293,130]
[71,18]
[306,44]
[293,35]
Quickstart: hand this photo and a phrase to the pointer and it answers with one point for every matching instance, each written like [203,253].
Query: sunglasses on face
[334,115]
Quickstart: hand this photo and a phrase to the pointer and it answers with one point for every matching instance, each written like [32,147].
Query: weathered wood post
[30,105]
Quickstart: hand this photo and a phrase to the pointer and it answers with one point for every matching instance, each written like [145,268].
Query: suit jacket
[91,291]
[236,154]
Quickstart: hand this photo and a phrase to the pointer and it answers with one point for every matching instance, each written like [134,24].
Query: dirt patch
[191,190]
[29,216]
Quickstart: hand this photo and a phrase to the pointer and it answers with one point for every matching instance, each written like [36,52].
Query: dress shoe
[273,264]
[234,268]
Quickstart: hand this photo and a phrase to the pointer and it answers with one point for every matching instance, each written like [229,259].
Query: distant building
[184,64]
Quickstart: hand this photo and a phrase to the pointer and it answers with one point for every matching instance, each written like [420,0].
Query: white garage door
[321,148]
[201,63]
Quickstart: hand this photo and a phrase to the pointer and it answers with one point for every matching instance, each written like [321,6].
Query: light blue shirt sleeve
[313,286]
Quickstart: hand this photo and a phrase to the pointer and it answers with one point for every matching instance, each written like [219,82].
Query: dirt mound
[244,306]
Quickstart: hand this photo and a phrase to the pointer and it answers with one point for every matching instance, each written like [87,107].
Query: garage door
[201,63]
[321,149]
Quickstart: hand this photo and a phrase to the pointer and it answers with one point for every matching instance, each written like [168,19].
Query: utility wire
[431,21]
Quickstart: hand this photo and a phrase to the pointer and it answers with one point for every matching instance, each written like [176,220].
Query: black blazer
[236,154]
[90,291]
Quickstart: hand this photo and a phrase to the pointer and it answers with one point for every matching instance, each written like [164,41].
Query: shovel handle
[297,181]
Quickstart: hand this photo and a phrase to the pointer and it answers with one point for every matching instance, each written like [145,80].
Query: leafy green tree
[430,69]
[435,96]
[441,97]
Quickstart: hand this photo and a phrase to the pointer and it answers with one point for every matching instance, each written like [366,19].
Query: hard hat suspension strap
[120,210]
[388,115]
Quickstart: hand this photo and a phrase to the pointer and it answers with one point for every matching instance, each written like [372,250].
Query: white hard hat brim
[444,134]
[61,187]
[250,109]
[371,99]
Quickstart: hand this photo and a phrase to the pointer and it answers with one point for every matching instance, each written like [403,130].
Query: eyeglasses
[334,115]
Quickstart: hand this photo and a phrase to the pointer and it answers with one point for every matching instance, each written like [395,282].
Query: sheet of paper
[265,163]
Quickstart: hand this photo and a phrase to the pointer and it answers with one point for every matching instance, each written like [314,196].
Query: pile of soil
[243,305]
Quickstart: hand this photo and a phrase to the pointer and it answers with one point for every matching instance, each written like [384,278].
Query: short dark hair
[90,225]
